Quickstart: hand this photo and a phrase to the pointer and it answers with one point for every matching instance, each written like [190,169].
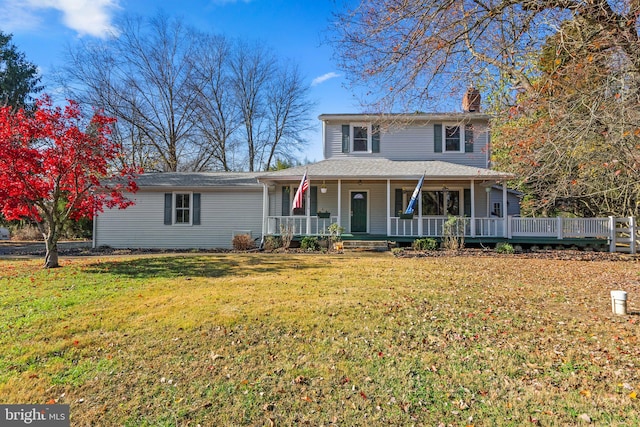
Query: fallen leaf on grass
[633,395]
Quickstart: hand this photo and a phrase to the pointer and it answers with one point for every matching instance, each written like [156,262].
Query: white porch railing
[432,226]
[298,224]
[560,228]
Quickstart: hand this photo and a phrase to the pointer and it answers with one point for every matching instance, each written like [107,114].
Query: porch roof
[384,169]
[198,179]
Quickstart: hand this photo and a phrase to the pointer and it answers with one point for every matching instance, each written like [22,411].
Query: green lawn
[363,339]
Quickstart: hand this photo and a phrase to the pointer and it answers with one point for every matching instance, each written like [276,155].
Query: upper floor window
[453,138]
[361,138]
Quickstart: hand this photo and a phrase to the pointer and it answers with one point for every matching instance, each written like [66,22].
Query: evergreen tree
[18,77]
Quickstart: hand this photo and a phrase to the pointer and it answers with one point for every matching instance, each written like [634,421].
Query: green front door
[359,212]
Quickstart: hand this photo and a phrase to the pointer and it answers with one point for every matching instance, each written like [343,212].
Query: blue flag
[414,197]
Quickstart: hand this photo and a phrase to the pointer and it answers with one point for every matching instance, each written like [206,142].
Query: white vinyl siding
[413,142]
[142,225]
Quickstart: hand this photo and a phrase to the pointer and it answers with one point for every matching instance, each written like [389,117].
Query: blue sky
[295,29]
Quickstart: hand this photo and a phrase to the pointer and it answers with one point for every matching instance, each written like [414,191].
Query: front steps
[365,245]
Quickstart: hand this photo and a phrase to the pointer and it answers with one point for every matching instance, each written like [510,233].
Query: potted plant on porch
[323,214]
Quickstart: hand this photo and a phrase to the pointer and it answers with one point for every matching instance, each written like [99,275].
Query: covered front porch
[369,197]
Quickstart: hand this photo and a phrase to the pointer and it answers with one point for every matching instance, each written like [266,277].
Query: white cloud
[86,17]
[323,78]
[16,16]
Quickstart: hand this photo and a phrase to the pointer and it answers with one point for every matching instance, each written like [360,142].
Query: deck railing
[298,224]
[433,226]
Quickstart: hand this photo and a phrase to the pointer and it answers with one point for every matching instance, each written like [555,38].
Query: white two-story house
[372,166]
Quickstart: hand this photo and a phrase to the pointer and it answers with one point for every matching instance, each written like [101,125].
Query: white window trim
[462,127]
[352,139]
[174,210]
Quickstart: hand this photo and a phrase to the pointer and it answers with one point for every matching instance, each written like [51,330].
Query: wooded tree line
[191,101]
[562,77]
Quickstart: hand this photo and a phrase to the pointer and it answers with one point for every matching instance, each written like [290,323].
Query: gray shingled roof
[326,169]
[199,179]
[384,169]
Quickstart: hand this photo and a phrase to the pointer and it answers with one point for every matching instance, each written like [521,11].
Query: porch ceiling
[384,169]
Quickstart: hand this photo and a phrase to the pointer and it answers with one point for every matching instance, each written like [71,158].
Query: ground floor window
[183,208]
[440,203]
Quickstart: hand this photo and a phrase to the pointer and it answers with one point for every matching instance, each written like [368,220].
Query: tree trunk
[51,256]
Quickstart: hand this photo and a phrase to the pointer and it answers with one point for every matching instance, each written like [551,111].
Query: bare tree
[143,77]
[219,117]
[252,67]
[274,103]
[187,100]
[416,52]
[288,113]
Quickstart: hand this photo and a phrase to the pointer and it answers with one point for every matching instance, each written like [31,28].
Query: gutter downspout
[265,211]
[94,231]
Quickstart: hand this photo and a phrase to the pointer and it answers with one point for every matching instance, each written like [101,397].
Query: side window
[497,209]
[182,209]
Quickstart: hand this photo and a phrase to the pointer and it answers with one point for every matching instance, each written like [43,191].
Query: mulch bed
[37,249]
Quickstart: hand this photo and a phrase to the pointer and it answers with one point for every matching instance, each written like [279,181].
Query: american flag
[297,199]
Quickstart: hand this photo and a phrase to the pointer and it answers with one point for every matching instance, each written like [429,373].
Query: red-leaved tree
[56,166]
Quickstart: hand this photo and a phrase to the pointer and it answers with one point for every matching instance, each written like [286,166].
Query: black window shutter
[467,202]
[286,207]
[375,139]
[398,204]
[196,209]
[468,139]
[314,200]
[345,138]
[437,138]
[168,202]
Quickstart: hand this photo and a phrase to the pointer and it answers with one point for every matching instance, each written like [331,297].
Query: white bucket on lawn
[619,302]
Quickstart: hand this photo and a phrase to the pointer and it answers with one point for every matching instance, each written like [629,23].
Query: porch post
[388,207]
[612,234]
[265,209]
[308,210]
[420,225]
[632,233]
[472,194]
[340,203]
[505,218]
[559,227]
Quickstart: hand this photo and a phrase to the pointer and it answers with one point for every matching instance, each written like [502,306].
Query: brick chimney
[471,100]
